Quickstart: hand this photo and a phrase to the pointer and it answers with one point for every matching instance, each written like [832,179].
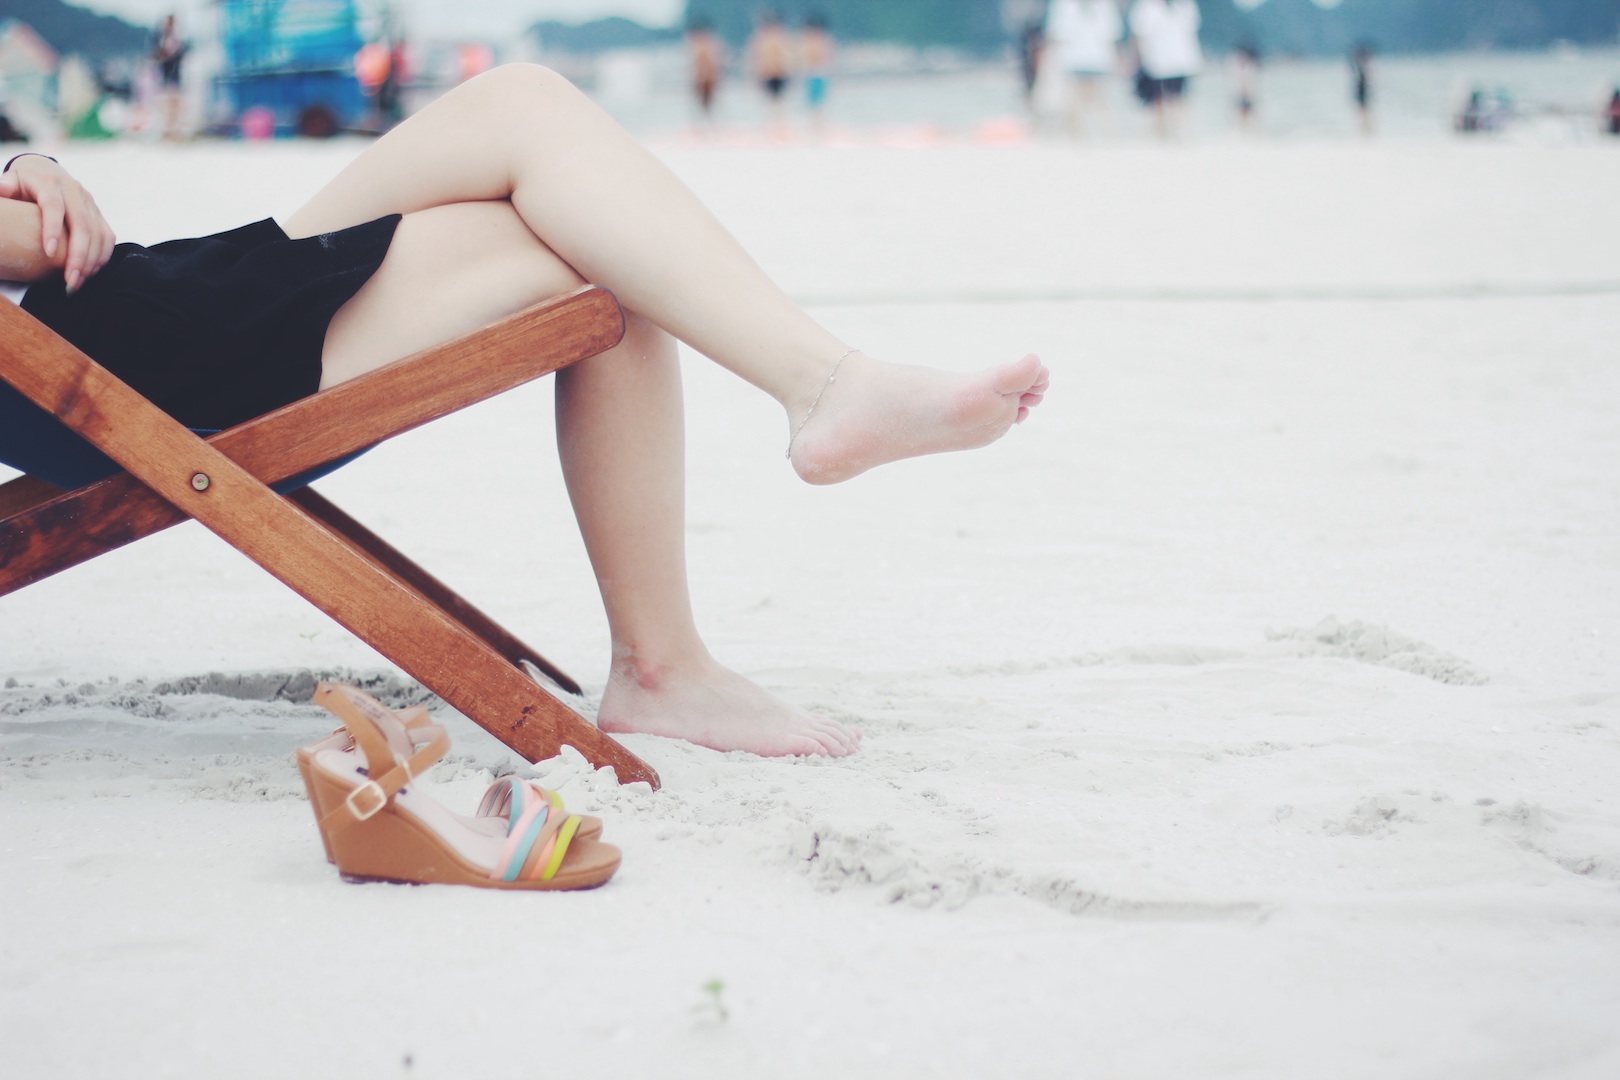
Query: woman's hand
[67,213]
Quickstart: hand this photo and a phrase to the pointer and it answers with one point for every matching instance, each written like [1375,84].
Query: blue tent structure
[295,58]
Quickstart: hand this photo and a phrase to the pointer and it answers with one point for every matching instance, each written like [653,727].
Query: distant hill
[1277,26]
[70,29]
[971,25]
[1299,26]
[600,35]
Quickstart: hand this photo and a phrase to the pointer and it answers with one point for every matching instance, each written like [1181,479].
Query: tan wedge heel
[376,826]
[414,718]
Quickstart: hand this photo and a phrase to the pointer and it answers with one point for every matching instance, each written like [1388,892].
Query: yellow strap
[566,836]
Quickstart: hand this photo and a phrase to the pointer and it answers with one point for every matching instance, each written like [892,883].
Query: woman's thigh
[449,270]
[460,148]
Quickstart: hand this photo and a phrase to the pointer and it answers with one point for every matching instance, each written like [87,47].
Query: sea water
[1556,95]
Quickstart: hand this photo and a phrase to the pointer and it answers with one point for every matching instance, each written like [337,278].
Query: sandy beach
[1254,711]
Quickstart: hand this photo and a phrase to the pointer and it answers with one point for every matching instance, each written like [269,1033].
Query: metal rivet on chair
[200,481]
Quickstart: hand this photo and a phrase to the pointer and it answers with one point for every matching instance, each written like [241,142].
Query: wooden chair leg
[432,589]
[308,557]
[24,494]
[383,611]
[66,528]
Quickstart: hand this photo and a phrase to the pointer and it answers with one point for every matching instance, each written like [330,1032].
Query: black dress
[214,330]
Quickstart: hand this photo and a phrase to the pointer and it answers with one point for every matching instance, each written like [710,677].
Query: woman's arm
[67,229]
[22,252]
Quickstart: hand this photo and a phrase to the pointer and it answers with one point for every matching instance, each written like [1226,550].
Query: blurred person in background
[1083,38]
[8,131]
[771,54]
[1611,116]
[1031,46]
[708,58]
[390,95]
[1166,33]
[168,55]
[1246,83]
[815,59]
[1361,78]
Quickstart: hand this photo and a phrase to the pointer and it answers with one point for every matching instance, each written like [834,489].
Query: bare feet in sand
[872,413]
[875,412]
[715,707]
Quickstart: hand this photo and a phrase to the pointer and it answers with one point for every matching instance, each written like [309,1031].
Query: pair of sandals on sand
[379,826]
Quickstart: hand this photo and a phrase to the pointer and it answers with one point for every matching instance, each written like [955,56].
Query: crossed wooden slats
[353,575]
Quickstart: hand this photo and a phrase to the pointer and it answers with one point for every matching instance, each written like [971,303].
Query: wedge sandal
[405,738]
[377,825]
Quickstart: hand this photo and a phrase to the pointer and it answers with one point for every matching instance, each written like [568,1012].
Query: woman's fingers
[81,237]
[50,206]
[70,221]
[90,239]
[100,233]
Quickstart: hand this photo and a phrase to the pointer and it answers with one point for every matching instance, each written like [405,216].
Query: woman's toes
[840,737]
[807,746]
[1019,375]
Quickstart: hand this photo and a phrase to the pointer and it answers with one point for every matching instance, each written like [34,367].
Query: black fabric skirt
[218,329]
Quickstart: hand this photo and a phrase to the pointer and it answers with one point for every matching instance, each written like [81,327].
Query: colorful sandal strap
[499,800]
[521,836]
[538,833]
[559,851]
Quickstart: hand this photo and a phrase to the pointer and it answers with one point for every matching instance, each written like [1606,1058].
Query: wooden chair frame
[333,561]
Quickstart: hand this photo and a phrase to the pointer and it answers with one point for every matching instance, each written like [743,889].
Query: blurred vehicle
[296,59]
[1485,110]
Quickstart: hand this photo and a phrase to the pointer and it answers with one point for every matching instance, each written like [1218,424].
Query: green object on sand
[89,126]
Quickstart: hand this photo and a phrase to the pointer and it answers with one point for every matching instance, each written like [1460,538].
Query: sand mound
[1370,643]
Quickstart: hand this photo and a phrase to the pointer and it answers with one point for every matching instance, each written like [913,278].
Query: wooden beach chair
[227,481]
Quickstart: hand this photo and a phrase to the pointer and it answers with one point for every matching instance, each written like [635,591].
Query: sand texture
[1252,712]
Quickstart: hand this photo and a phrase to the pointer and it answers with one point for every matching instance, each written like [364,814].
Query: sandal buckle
[369,812]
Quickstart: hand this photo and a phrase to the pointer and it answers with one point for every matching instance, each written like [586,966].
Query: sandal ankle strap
[364,718]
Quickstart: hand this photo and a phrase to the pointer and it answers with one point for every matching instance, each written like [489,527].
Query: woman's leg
[616,215]
[620,432]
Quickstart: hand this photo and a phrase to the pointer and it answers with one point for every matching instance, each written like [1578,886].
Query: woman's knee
[647,341]
[512,84]
[644,358]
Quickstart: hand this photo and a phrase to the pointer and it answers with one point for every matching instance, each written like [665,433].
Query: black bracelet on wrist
[27,153]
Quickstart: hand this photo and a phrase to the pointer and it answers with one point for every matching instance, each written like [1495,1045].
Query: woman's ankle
[652,670]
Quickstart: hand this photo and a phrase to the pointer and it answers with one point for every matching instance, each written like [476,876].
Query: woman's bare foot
[876,412]
[715,707]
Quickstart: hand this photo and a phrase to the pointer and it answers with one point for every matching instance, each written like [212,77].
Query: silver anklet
[793,438]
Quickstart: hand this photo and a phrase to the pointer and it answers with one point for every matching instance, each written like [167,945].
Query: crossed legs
[515,187]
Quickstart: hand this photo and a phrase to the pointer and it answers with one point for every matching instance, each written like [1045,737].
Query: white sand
[1255,712]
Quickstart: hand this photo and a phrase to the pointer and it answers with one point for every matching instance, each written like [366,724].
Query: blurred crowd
[778,58]
[1069,57]
[1080,61]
